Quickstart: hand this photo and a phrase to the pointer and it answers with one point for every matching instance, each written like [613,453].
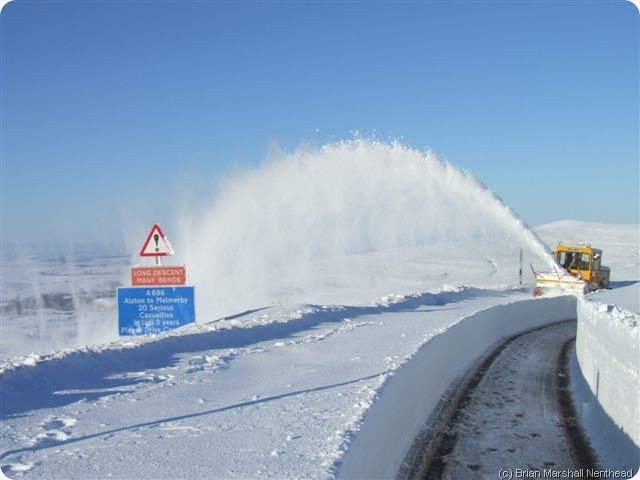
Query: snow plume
[271,233]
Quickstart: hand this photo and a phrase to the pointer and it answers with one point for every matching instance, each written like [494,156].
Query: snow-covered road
[510,419]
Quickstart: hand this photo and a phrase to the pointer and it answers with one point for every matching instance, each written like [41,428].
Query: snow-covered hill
[281,391]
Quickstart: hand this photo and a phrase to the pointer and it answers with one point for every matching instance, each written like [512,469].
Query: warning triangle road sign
[156,245]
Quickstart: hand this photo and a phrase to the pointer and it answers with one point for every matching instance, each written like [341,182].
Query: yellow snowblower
[579,269]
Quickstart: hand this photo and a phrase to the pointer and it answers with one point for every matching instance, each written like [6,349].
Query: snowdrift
[606,381]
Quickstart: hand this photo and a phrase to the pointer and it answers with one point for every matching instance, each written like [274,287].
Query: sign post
[159,298]
[521,267]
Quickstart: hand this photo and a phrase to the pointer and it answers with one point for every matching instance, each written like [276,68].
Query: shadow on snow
[158,422]
[90,375]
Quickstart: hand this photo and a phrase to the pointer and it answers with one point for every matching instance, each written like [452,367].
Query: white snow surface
[278,392]
[244,398]
[319,279]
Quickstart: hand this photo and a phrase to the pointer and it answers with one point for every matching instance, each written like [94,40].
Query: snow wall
[607,382]
[409,397]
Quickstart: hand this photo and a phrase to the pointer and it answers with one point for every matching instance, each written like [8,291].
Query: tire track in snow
[506,415]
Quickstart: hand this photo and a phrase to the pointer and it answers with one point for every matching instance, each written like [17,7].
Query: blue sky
[112,109]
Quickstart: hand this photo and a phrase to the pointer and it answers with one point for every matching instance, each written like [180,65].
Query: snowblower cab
[581,271]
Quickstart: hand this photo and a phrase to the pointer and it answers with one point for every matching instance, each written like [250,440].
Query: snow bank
[408,398]
[607,382]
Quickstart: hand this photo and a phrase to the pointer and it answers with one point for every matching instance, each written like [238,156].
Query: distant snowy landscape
[321,280]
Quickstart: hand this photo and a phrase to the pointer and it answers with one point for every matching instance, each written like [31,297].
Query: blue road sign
[144,310]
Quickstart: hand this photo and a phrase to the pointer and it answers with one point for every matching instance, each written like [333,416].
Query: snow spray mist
[331,202]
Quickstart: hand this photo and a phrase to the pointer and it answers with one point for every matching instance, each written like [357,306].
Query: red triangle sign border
[165,252]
